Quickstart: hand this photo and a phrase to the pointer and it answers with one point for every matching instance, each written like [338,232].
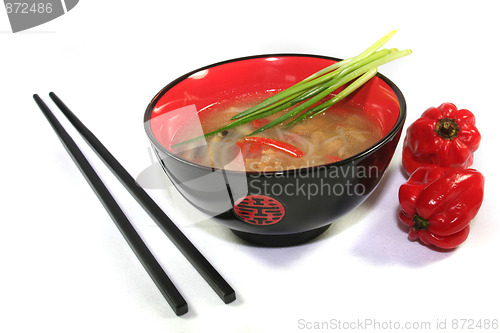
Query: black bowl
[277,208]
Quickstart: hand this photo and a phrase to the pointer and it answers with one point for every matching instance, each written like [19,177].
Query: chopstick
[155,271]
[199,262]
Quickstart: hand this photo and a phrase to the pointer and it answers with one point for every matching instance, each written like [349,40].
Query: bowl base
[281,240]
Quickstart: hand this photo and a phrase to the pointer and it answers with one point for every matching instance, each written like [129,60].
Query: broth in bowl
[342,131]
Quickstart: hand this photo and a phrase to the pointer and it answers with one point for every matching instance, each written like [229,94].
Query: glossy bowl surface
[271,208]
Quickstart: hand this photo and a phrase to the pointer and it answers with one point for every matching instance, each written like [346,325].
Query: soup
[341,131]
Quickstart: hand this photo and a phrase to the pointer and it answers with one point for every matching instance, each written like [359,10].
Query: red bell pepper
[439,203]
[333,158]
[443,136]
[250,149]
[280,145]
[258,123]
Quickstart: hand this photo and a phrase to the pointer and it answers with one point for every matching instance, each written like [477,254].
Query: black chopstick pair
[160,278]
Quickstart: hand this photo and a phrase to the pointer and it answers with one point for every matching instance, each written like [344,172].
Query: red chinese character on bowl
[259,210]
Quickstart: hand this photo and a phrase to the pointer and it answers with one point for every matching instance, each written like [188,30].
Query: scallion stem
[332,85]
[341,95]
[354,71]
[300,85]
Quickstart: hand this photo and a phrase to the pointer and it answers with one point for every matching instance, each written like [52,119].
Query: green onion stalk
[353,72]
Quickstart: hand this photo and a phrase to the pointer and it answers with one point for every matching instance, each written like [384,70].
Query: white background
[66,268]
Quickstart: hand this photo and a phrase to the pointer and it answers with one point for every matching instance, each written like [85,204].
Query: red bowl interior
[191,94]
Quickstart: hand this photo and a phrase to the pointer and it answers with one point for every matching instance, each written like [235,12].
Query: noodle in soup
[341,131]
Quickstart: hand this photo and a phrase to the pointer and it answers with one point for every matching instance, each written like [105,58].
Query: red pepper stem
[447,128]
[420,223]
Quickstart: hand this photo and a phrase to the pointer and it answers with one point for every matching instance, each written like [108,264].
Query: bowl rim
[286,172]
